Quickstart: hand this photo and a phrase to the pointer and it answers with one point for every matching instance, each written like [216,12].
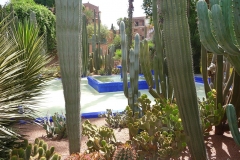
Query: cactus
[179,62]
[86,156]
[233,123]
[57,128]
[69,46]
[85,47]
[109,62]
[131,93]
[213,35]
[99,139]
[162,132]
[114,120]
[163,87]
[125,152]
[40,151]
[222,40]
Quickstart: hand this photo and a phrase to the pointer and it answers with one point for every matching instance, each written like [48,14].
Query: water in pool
[91,101]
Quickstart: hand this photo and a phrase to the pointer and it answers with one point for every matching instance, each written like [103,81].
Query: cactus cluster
[86,156]
[125,152]
[37,151]
[114,120]
[57,128]
[219,29]
[218,26]
[99,139]
[161,129]
[109,61]
[131,92]
[163,87]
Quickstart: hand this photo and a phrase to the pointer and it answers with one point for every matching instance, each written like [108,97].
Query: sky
[111,10]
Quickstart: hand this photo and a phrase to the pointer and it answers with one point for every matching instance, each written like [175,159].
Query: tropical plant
[26,38]
[14,105]
[89,15]
[69,33]
[48,3]
[45,19]
[117,42]
[104,32]
[118,54]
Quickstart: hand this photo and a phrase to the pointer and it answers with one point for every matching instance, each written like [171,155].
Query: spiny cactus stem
[176,32]
[68,22]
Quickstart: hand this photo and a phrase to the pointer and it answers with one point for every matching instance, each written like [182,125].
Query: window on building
[136,23]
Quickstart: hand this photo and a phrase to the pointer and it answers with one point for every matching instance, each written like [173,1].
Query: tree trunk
[69,30]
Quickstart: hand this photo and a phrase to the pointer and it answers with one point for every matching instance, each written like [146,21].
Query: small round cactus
[125,152]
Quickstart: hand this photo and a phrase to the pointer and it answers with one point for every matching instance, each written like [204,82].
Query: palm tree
[89,15]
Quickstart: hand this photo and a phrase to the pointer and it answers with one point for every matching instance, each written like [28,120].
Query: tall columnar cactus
[164,88]
[219,29]
[69,46]
[180,68]
[131,93]
[109,62]
[219,33]
[85,47]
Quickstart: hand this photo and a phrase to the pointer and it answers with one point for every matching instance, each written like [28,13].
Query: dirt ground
[218,147]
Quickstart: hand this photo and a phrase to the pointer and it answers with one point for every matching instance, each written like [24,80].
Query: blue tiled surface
[118,86]
[111,86]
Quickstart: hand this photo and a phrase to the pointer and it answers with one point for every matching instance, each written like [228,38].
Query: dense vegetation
[45,18]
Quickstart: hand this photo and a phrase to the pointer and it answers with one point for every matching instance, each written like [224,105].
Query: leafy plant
[15,105]
[114,120]
[101,71]
[210,114]
[45,18]
[117,42]
[118,54]
[57,128]
[37,151]
[104,33]
[115,71]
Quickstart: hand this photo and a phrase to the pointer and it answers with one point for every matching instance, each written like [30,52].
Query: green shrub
[117,42]
[45,18]
[118,54]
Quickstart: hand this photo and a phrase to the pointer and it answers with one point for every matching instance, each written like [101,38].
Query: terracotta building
[141,26]
[92,8]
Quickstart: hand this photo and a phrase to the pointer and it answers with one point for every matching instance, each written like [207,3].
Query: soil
[219,147]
